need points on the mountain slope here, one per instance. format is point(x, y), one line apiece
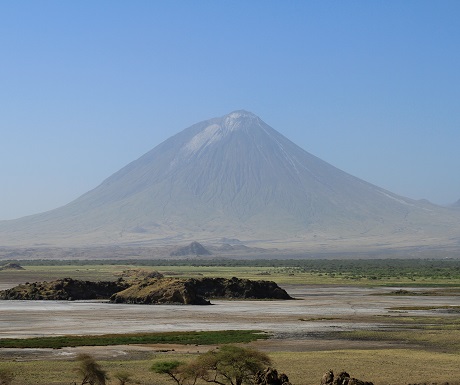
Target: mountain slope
point(235, 177)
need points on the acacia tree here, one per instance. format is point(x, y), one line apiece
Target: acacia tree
point(169, 368)
point(230, 365)
point(181, 373)
point(90, 371)
point(123, 377)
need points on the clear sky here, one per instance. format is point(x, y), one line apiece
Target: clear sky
point(372, 87)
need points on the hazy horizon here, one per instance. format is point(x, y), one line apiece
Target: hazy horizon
point(371, 88)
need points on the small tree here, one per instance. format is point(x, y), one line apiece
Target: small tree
point(181, 373)
point(90, 371)
point(123, 377)
point(230, 365)
point(170, 368)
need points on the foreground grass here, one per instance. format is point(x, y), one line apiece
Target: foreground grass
point(183, 338)
point(383, 367)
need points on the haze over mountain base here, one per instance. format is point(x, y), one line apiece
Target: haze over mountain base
point(236, 178)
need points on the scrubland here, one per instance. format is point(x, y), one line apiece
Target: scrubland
point(384, 366)
point(414, 343)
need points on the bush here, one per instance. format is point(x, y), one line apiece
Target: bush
point(90, 371)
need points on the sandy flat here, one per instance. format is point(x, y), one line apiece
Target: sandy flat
point(315, 309)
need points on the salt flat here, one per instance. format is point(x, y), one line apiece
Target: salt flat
point(350, 305)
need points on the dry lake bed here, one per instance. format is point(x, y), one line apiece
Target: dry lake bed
point(294, 324)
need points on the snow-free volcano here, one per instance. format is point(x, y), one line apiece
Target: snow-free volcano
point(235, 177)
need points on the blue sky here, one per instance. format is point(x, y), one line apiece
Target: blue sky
point(372, 87)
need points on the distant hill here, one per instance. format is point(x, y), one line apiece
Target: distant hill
point(235, 177)
point(12, 266)
point(193, 248)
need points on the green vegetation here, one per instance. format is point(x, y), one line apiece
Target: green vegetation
point(233, 365)
point(124, 377)
point(400, 272)
point(172, 369)
point(90, 371)
point(184, 338)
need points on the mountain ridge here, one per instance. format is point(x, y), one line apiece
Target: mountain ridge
point(236, 177)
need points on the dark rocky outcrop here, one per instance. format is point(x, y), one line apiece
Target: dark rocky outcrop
point(270, 376)
point(138, 274)
point(63, 289)
point(160, 291)
point(343, 378)
point(193, 248)
point(197, 291)
point(152, 288)
point(236, 288)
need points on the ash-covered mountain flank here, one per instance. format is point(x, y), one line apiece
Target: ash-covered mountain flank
point(236, 177)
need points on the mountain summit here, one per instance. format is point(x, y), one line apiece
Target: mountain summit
point(236, 177)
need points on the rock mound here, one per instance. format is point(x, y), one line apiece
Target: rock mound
point(63, 289)
point(160, 291)
point(270, 376)
point(136, 274)
point(12, 266)
point(236, 288)
point(343, 378)
point(150, 289)
point(193, 248)
point(197, 291)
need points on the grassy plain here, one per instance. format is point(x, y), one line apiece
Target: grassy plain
point(430, 333)
point(431, 343)
point(384, 366)
point(380, 272)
